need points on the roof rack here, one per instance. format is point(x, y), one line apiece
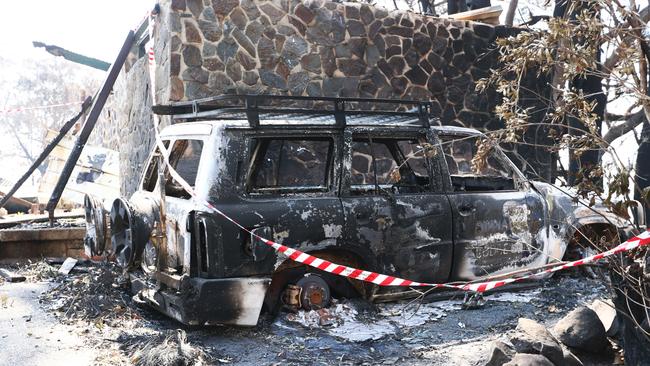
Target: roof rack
point(254, 105)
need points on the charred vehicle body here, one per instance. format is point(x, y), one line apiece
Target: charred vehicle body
point(337, 178)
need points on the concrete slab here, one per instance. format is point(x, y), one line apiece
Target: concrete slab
point(30, 336)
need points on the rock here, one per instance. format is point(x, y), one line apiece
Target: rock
point(500, 354)
point(294, 48)
point(226, 49)
point(298, 82)
point(250, 77)
point(209, 15)
point(246, 61)
point(607, 315)
point(194, 90)
point(351, 67)
point(194, 73)
point(327, 60)
point(398, 64)
point(342, 50)
point(254, 31)
point(250, 8)
point(273, 13)
point(297, 24)
point(224, 7)
point(355, 28)
point(582, 329)
point(311, 63)
point(270, 78)
point(421, 43)
point(527, 359)
point(191, 33)
point(266, 51)
point(412, 58)
point(570, 359)
point(304, 13)
point(351, 12)
point(436, 83)
point(417, 75)
point(175, 64)
point(244, 42)
point(532, 337)
point(192, 56)
point(357, 46)
point(233, 70)
point(213, 64)
point(366, 14)
point(211, 30)
point(367, 89)
point(332, 86)
point(209, 49)
point(195, 6)
point(220, 83)
point(372, 55)
point(239, 18)
point(314, 89)
point(374, 28)
point(178, 5)
point(399, 85)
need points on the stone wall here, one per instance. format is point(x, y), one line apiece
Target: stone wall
point(211, 47)
point(126, 124)
point(332, 49)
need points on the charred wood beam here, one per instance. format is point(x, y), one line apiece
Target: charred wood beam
point(95, 111)
point(46, 152)
point(73, 56)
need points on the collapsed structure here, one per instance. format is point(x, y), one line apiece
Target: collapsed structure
point(311, 48)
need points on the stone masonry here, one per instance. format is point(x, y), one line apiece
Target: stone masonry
point(313, 48)
point(332, 49)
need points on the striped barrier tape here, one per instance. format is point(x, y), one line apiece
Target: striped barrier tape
point(373, 277)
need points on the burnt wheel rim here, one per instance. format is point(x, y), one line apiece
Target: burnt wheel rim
point(94, 240)
point(121, 233)
point(315, 292)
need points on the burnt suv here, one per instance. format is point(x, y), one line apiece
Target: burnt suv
point(338, 178)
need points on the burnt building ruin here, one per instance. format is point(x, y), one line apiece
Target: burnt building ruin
point(314, 48)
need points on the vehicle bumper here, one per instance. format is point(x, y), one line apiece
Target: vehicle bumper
point(235, 301)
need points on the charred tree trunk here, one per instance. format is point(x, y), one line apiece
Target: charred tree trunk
point(579, 165)
point(642, 166)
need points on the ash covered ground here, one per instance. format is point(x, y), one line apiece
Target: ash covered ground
point(95, 321)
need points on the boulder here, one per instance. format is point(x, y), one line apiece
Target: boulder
point(582, 329)
point(529, 359)
point(500, 354)
point(570, 359)
point(607, 315)
point(533, 338)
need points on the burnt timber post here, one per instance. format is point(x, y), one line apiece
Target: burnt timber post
point(95, 111)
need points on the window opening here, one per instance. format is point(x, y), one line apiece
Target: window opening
point(285, 165)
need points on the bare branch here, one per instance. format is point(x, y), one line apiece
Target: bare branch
point(621, 129)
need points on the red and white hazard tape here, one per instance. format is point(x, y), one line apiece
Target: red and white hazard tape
point(23, 109)
point(373, 277)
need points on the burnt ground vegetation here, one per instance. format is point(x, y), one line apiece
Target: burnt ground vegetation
point(94, 302)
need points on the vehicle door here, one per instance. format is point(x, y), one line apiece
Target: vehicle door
point(498, 216)
point(291, 197)
point(392, 206)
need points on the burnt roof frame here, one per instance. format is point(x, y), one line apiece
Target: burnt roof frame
point(251, 105)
